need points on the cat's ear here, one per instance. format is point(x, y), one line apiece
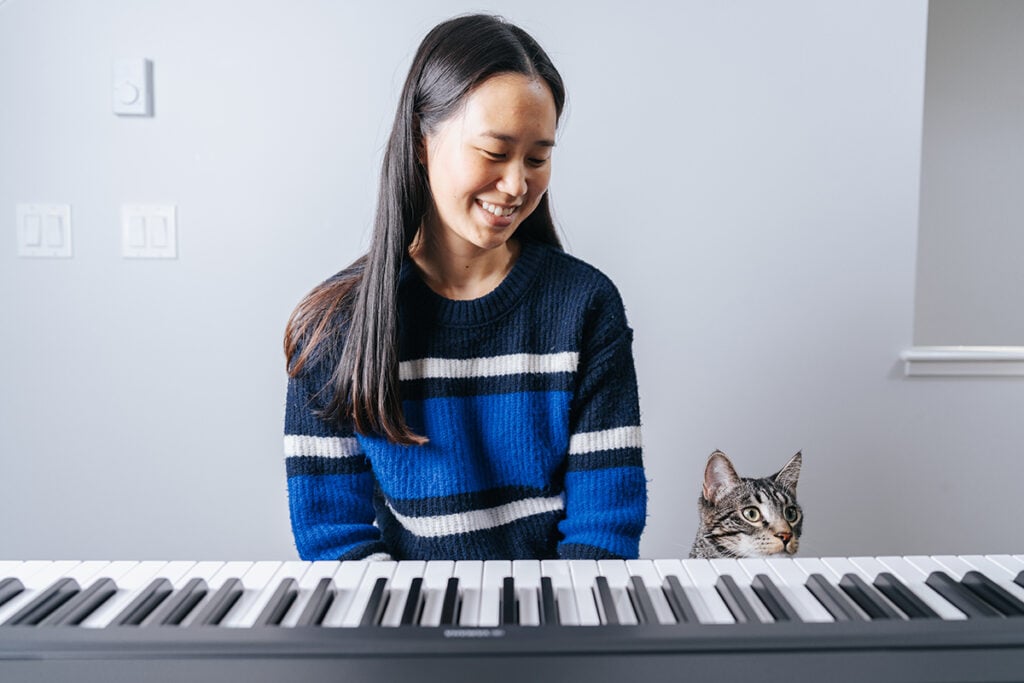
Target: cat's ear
point(787, 476)
point(719, 477)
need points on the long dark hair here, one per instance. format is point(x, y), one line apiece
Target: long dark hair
point(360, 304)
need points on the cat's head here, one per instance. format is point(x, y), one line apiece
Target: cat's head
point(744, 517)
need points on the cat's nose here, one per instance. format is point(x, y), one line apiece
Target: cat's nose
point(785, 536)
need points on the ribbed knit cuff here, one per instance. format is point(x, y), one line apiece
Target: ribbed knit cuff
point(374, 550)
point(582, 551)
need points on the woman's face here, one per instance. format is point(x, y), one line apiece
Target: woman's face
point(489, 164)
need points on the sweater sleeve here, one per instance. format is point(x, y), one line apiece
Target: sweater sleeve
point(605, 485)
point(330, 481)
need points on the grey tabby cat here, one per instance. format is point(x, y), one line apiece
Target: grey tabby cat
point(743, 517)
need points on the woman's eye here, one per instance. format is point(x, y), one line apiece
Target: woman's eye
point(537, 162)
point(493, 155)
point(791, 513)
point(751, 514)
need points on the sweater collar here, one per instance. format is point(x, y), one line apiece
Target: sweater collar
point(492, 305)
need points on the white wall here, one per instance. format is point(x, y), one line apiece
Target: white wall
point(747, 173)
point(970, 252)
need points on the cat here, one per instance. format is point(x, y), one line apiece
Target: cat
point(744, 517)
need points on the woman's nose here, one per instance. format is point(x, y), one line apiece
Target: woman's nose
point(513, 180)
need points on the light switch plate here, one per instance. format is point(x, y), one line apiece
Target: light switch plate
point(44, 230)
point(133, 87)
point(149, 231)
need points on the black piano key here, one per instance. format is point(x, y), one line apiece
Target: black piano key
point(55, 595)
point(904, 598)
point(219, 604)
point(735, 600)
point(509, 604)
point(681, 606)
point(861, 592)
point(318, 604)
point(641, 600)
point(832, 599)
point(548, 606)
point(962, 598)
point(450, 604)
point(773, 599)
point(279, 604)
point(607, 601)
point(144, 603)
point(173, 611)
point(1019, 579)
point(9, 588)
point(376, 604)
point(992, 593)
point(411, 612)
point(75, 610)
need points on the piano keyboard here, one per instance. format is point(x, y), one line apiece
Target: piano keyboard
point(73, 617)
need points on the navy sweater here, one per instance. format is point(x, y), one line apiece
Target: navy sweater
point(528, 397)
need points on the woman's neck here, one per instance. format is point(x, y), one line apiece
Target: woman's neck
point(462, 272)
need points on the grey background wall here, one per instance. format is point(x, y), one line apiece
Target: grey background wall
point(747, 173)
point(970, 279)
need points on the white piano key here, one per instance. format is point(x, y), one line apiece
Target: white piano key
point(494, 575)
point(618, 582)
point(956, 566)
point(85, 572)
point(842, 565)
point(8, 567)
point(254, 577)
point(398, 588)
point(667, 568)
point(646, 570)
point(793, 585)
point(1008, 562)
point(561, 585)
point(315, 571)
point(35, 576)
point(704, 578)
point(914, 578)
point(470, 575)
point(204, 570)
point(996, 572)
point(752, 567)
point(131, 584)
point(814, 565)
point(245, 615)
point(374, 570)
point(818, 565)
point(584, 573)
point(731, 567)
point(866, 568)
point(926, 565)
point(527, 577)
point(435, 583)
point(347, 579)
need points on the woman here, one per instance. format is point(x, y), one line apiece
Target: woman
point(465, 390)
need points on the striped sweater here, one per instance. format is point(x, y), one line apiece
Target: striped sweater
point(528, 397)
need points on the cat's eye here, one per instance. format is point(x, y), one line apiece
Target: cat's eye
point(752, 514)
point(792, 514)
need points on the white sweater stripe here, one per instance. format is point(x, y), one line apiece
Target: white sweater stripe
point(478, 520)
point(606, 440)
point(492, 366)
point(323, 446)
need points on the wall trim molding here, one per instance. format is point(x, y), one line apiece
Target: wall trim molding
point(964, 361)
